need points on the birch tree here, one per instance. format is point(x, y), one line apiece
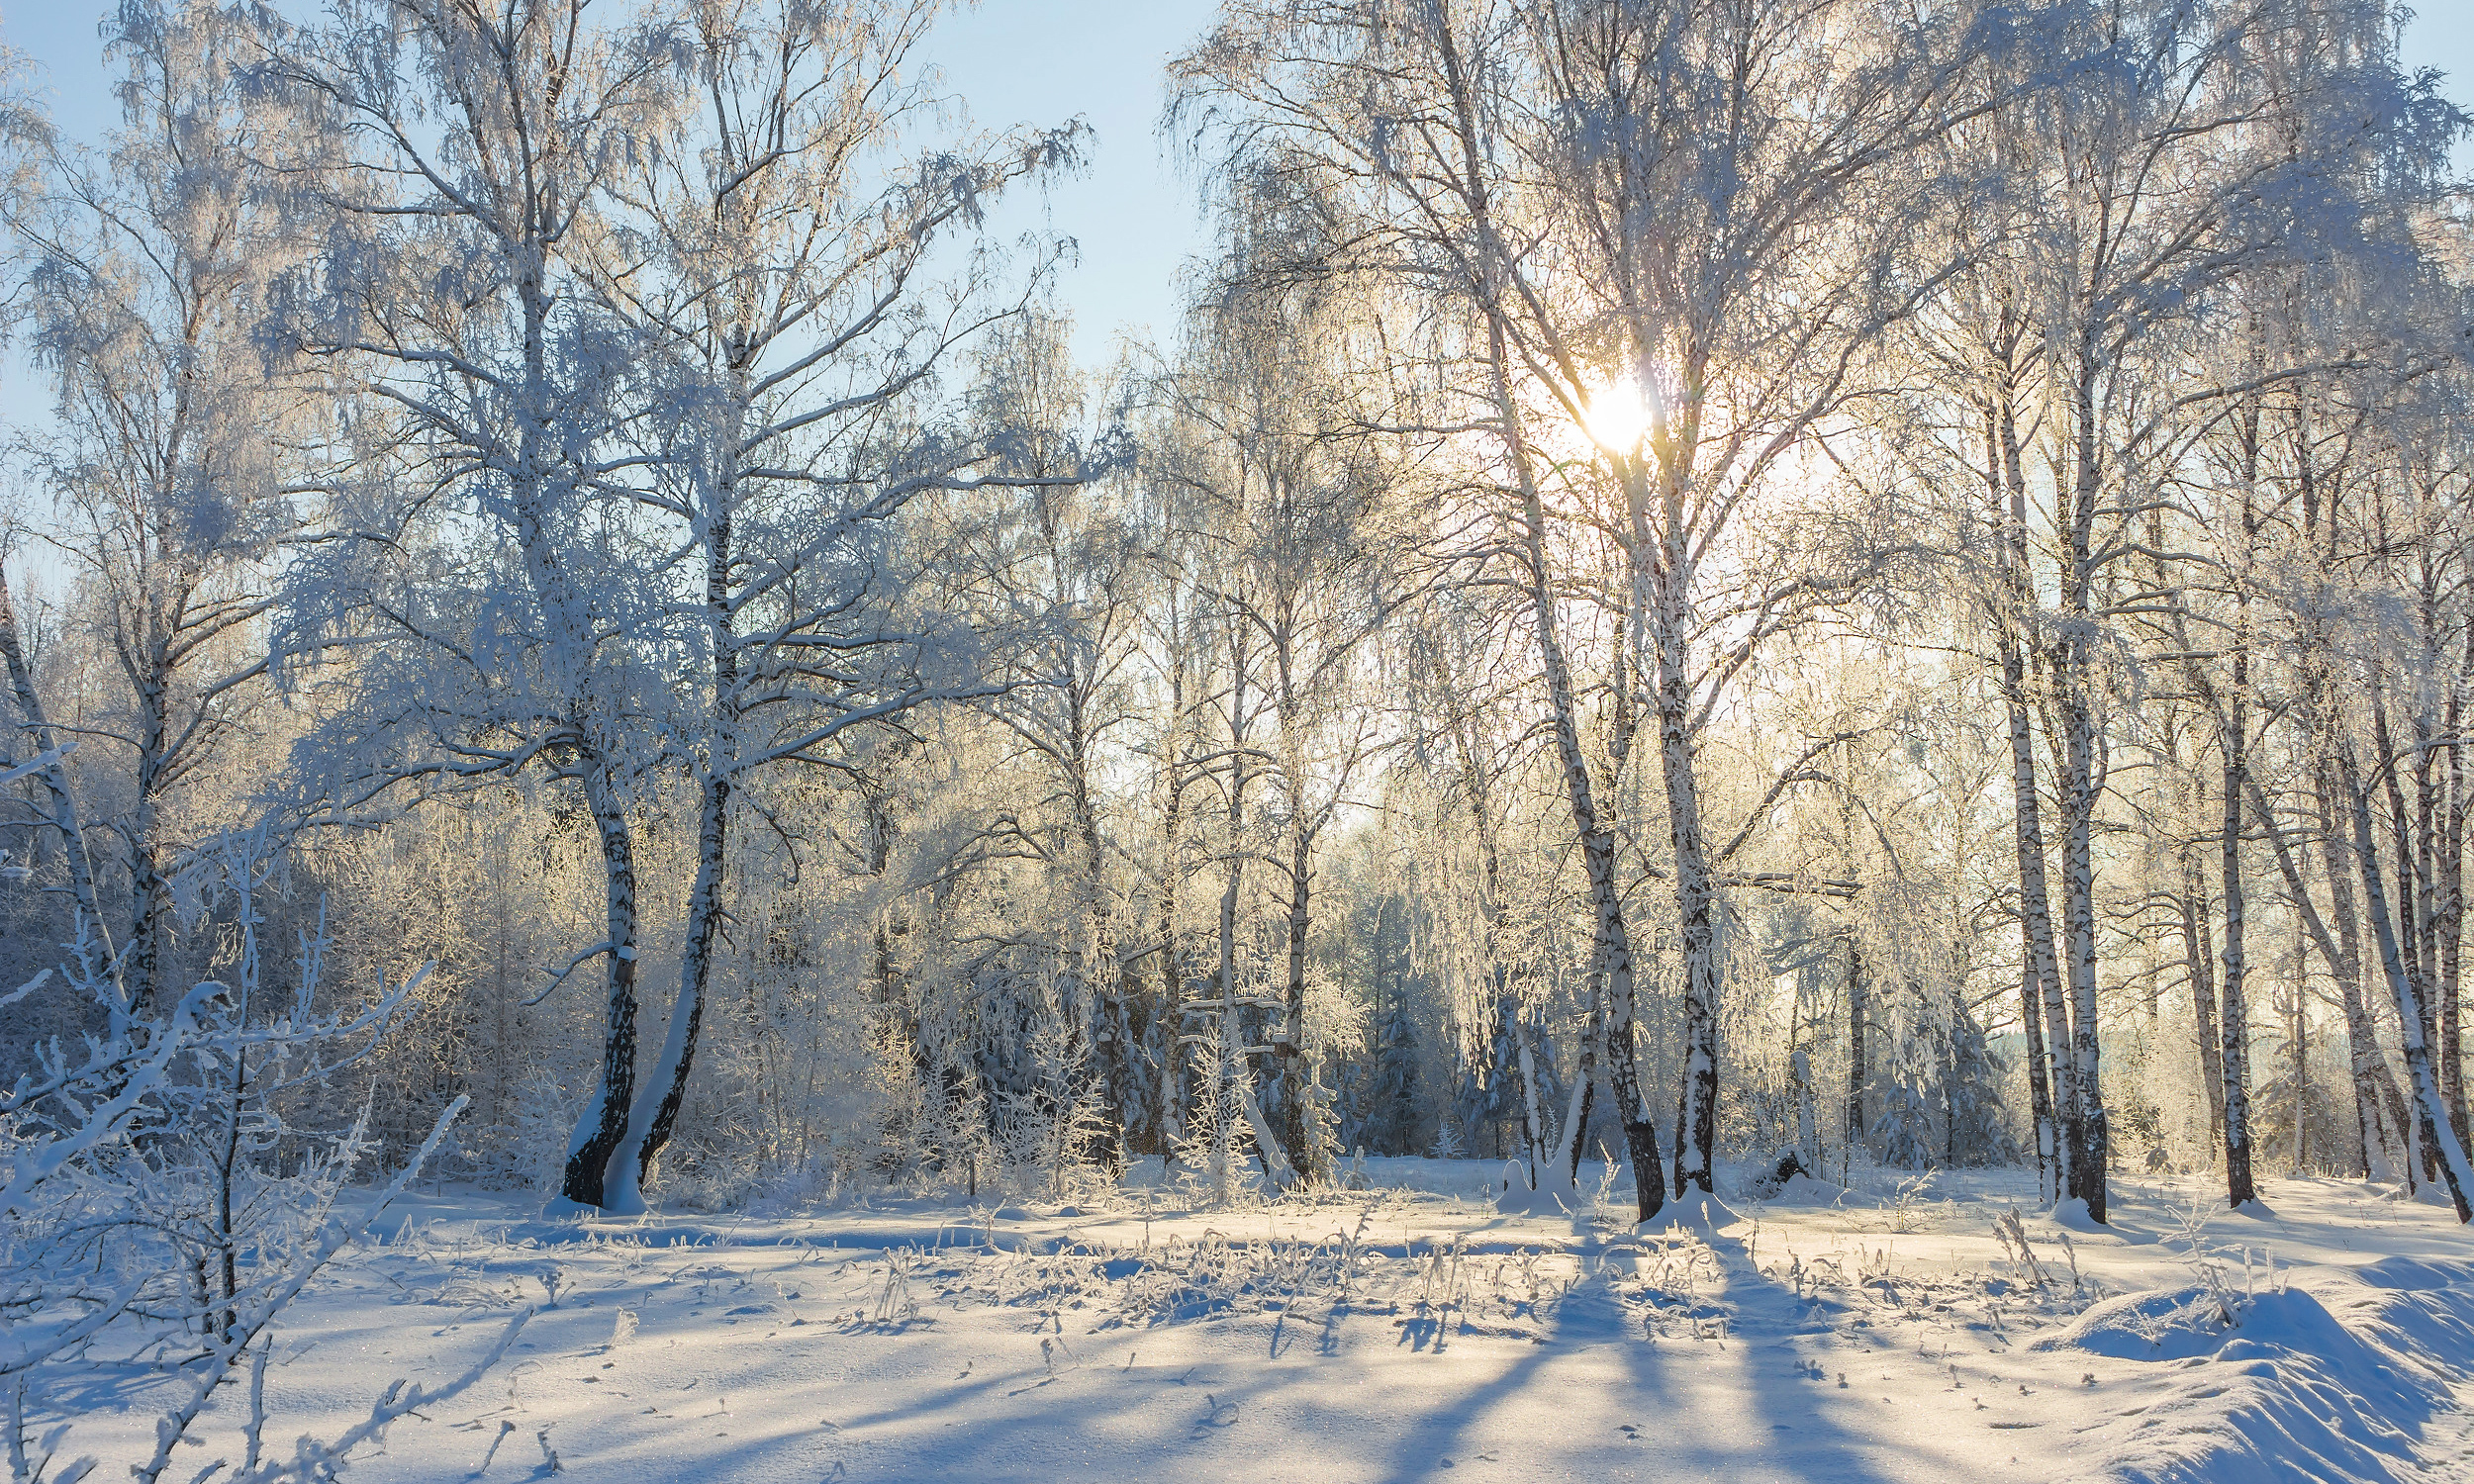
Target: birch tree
point(175, 467)
point(773, 248)
point(447, 295)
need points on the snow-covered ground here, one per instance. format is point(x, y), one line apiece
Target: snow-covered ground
point(1407, 1331)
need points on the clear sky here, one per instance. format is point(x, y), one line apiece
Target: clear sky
point(1037, 61)
point(1015, 61)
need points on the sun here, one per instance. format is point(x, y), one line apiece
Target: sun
point(1617, 417)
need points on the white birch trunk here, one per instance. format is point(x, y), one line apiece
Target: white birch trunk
point(2430, 1127)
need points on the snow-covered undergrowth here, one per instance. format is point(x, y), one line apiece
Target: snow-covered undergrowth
point(1400, 1332)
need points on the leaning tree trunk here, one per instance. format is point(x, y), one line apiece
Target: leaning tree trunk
point(2378, 1105)
point(52, 780)
point(2432, 1110)
point(650, 1127)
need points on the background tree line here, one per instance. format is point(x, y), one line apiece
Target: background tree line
point(1702, 582)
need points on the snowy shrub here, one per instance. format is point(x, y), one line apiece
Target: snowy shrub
point(167, 1190)
point(1211, 1158)
point(1045, 1134)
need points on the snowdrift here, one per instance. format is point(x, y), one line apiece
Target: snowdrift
point(2333, 1381)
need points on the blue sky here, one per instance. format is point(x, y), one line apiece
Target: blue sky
point(1016, 62)
point(1038, 61)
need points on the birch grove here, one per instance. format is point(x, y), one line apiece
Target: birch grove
point(1745, 589)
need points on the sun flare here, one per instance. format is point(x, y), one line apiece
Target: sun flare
point(1617, 417)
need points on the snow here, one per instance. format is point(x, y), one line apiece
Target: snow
point(1397, 1331)
point(1804, 1190)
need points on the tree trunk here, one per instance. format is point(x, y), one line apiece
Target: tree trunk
point(1173, 1094)
point(2378, 1106)
point(54, 781)
point(2040, 1084)
point(649, 1128)
point(2239, 1188)
point(1612, 948)
point(1295, 1078)
point(2432, 1110)
point(1696, 1126)
point(2081, 737)
point(2014, 604)
point(2036, 922)
point(2299, 1052)
point(2452, 913)
point(2089, 1136)
point(150, 903)
point(1856, 1070)
point(2199, 957)
point(591, 1177)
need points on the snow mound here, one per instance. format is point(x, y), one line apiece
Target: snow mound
point(1804, 1190)
point(1548, 1199)
point(2178, 1324)
point(2073, 1214)
point(2293, 1388)
point(1693, 1211)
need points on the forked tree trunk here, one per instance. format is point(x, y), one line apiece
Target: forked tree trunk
point(650, 1124)
point(590, 1178)
point(665, 1089)
point(1611, 950)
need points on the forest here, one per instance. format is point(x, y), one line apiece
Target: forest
point(1861, 604)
